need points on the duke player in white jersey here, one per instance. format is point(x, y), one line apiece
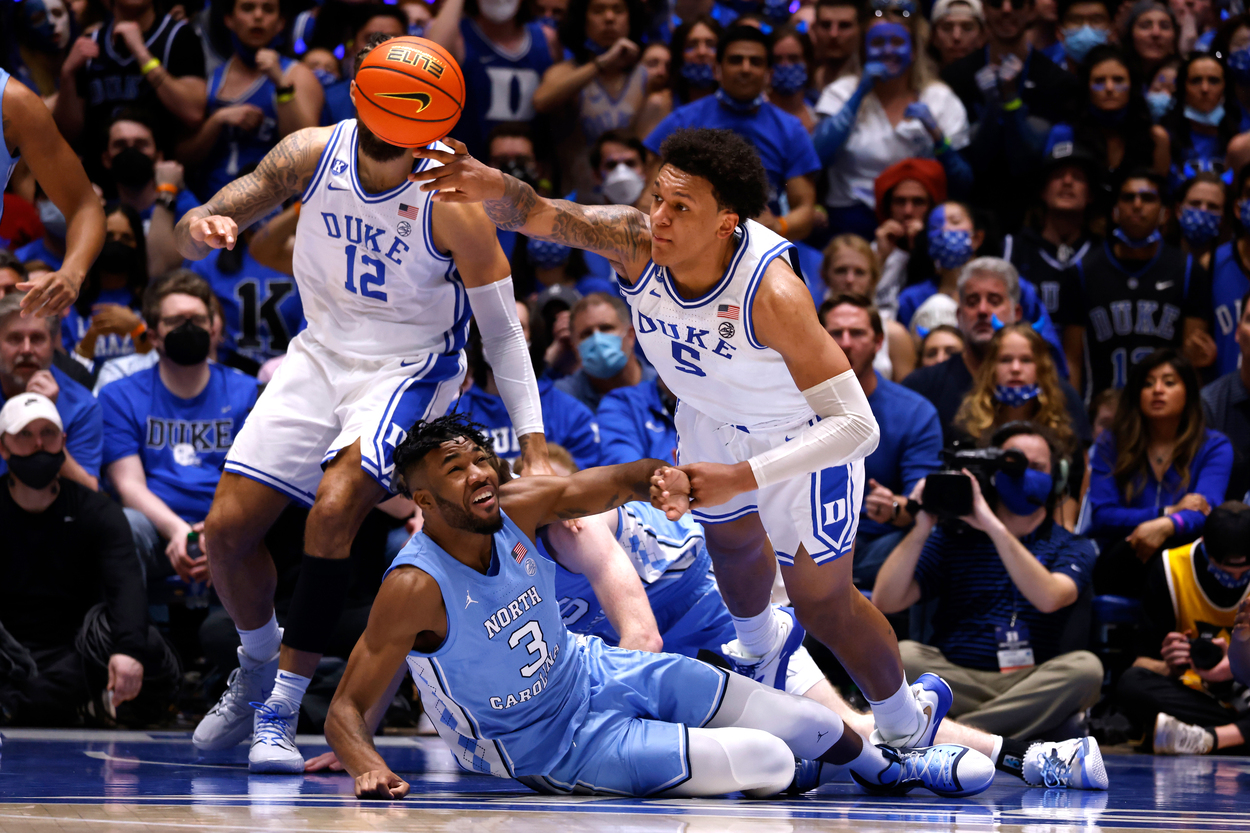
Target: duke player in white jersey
point(470, 607)
point(28, 133)
point(386, 279)
point(773, 425)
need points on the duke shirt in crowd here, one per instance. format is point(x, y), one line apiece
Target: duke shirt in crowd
point(182, 443)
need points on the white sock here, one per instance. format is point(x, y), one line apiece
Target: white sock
point(869, 765)
point(758, 633)
point(998, 748)
point(262, 643)
point(898, 715)
point(290, 688)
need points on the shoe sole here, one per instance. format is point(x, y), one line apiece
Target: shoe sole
point(276, 767)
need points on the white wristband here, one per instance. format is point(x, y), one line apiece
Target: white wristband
point(846, 431)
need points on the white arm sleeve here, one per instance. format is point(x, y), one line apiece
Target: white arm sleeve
point(503, 342)
point(846, 431)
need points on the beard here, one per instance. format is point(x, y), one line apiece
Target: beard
point(375, 148)
point(457, 518)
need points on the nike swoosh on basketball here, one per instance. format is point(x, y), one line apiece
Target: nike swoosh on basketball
point(1162, 285)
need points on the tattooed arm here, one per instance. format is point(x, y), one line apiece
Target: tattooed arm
point(283, 173)
point(536, 501)
point(620, 233)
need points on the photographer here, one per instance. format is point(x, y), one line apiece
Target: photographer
point(1004, 591)
point(1182, 682)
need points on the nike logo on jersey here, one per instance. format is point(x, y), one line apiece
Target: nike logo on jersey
point(656, 294)
point(651, 426)
point(330, 187)
point(225, 408)
point(1162, 285)
point(408, 364)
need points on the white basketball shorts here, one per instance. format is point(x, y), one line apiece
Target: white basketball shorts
point(320, 402)
point(819, 511)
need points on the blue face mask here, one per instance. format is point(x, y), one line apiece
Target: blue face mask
point(789, 78)
point(1149, 240)
point(1159, 103)
point(1211, 119)
point(417, 30)
point(546, 255)
point(1223, 577)
point(880, 48)
point(950, 248)
point(1013, 396)
point(1239, 66)
point(1078, 42)
point(730, 103)
point(602, 356)
point(1198, 225)
point(1025, 494)
point(324, 76)
point(699, 76)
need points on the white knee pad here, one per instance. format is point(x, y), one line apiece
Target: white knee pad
point(807, 727)
point(735, 759)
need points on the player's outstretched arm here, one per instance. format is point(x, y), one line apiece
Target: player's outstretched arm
point(408, 603)
point(532, 502)
point(284, 173)
point(29, 124)
point(620, 233)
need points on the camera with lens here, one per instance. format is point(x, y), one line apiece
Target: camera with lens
point(1204, 654)
point(948, 493)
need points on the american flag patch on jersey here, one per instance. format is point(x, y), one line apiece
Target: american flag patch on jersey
point(727, 311)
point(518, 552)
point(409, 211)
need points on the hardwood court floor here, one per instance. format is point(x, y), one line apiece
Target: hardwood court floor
point(130, 782)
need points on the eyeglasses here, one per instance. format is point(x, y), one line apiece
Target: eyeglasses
point(173, 322)
point(1147, 197)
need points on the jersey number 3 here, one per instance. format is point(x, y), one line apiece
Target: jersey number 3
point(367, 279)
point(536, 645)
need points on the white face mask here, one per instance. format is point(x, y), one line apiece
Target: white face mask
point(622, 185)
point(498, 11)
point(58, 13)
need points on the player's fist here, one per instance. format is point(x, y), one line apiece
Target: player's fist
point(83, 50)
point(269, 62)
point(670, 492)
point(381, 784)
point(215, 231)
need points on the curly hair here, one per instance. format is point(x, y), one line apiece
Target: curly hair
point(727, 161)
point(427, 435)
point(980, 413)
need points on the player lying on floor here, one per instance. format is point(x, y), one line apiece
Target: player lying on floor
point(470, 605)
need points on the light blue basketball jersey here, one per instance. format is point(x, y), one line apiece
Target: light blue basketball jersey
point(508, 688)
point(670, 557)
point(8, 161)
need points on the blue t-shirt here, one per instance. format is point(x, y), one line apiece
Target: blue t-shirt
point(1228, 286)
point(578, 386)
point(74, 328)
point(635, 424)
point(784, 145)
point(262, 306)
point(910, 447)
point(82, 421)
point(184, 202)
point(566, 422)
point(181, 442)
point(975, 594)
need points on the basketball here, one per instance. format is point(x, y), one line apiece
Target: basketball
point(409, 92)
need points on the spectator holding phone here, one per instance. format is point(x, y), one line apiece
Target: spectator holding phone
point(1182, 683)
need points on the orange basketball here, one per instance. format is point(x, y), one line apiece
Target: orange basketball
point(409, 91)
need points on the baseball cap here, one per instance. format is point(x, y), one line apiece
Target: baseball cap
point(1063, 149)
point(561, 295)
point(943, 8)
point(24, 409)
point(1226, 534)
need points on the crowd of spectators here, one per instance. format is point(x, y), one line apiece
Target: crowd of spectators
point(1026, 224)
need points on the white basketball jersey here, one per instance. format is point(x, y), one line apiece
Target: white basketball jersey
point(372, 282)
point(705, 349)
